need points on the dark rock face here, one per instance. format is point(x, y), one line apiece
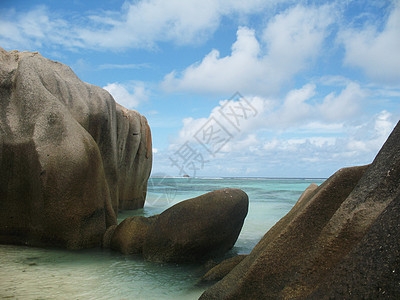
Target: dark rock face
point(372, 269)
point(70, 157)
point(190, 231)
point(222, 269)
point(341, 241)
point(276, 259)
point(198, 228)
point(129, 236)
point(106, 243)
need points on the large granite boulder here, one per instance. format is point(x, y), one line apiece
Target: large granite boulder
point(70, 157)
point(336, 242)
point(190, 231)
point(196, 229)
point(130, 234)
point(372, 269)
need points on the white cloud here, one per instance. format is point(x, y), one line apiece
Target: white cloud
point(33, 29)
point(294, 108)
point(375, 51)
point(316, 126)
point(221, 74)
point(245, 144)
point(299, 111)
point(234, 120)
point(295, 37)
point(138, 24)
point(123, 66)
point(310, 138)
point(334, 80)
point(290, 41)
point(190, 127)
point(369, 137)
point(383, 125)
point(128, 95)
point(344, 105)
point(270, 145)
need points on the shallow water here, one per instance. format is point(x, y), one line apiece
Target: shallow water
point(34, 273)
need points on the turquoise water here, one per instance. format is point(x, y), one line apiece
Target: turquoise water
point(33, 273)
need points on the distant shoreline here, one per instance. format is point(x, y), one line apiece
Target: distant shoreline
point(232, 177)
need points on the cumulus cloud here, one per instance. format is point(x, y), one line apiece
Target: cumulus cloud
point(138, 24)
point(300, 109)
point(228, 127)
point(128, 95)
point(295, 37)
point(220, 74)
point(290, 41)
point(33, 29)
point(370, 136)
point(294, 109)
point(299, 129)
point(344, 105)
point(376, 51)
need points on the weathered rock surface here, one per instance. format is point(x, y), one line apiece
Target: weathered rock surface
point(70, 157)
point(336, 242)
point(130, 234)
point(308, 192)
point(222, 269)
point(372, 269)
point(106, 243)
point(190, 231)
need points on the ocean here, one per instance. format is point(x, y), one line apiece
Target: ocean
point(34, 273)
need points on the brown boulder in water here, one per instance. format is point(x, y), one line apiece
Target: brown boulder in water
point(70, 157)
point(196, 229)
point(129, 236)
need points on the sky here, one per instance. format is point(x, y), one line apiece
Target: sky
point(235, 88)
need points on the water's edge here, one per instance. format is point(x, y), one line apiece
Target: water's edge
point(34, 273)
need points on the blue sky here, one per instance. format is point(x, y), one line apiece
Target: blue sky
point(318, 82)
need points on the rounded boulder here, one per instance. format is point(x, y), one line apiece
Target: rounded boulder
point(198, 228)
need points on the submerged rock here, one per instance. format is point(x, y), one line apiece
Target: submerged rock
point(340, 241)
point(70, 157)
